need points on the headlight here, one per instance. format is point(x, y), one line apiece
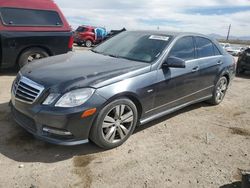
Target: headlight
point(75, 98)
point(51, 98)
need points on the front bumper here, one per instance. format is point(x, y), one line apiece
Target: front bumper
point(38, 118)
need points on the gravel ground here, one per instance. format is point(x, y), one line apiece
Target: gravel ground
point(199, 146)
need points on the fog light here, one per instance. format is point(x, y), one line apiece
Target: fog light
point(57, 131)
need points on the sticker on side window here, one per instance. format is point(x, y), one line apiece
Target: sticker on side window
point(158, 37)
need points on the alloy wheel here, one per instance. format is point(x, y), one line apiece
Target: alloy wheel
point(117, 123)
point(221, 90)
point(88, 43)
point(33, 57)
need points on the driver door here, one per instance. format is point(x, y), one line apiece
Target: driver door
point(177, 86)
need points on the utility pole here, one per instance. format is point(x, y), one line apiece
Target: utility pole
point(228, 33)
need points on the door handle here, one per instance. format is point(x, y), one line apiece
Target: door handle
point(219, 62)
point(195, 69)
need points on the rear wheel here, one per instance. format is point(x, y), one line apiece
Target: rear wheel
point(114, 124)
point(30, 55)
point(88, 43)
point(219, 91)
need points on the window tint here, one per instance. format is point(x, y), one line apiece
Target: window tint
point(29, 17)
point(248, 50)
point(135, 46)
point(183, 48)
point(216, 50)
point(204, 47)
point(81, 29)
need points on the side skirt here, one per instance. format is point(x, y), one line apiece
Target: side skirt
point(169, 111)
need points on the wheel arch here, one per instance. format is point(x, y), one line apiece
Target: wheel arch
point(227, 77)
point(224, 73)
point(89, 38)
point(46, 49)
point(131, 96)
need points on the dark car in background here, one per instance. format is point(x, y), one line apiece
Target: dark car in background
point(235, 50)
point(243, 63)
point(32, 30)
point(130, 79)
point(114, 32)
point(89, 35)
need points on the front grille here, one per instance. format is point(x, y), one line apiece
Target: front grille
point(26, 90)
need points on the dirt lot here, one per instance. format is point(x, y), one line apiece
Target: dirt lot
point(199, 146)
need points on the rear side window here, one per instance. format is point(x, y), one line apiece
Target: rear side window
point(81, 29)
point(204, 47)
point(184, 49)
point(29, 17)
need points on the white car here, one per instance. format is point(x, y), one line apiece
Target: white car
point(225, 45)
point(235, 51)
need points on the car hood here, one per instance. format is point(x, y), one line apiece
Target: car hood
point(82, 69)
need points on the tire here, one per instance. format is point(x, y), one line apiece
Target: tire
point(219, 92)
point(88, 43)
point(114, 123)
point(30, 55)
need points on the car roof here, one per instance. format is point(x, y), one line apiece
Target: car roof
point(175, 34)
point(171, 33)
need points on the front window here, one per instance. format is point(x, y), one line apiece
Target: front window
point(183, 49)
point(135, 46)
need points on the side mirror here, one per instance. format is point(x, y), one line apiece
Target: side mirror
point(174, 62)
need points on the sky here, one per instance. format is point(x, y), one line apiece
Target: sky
point(207, 16)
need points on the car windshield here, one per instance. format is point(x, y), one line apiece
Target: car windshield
point(136, 46)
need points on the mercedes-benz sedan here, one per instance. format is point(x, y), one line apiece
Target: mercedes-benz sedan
point(104, 93)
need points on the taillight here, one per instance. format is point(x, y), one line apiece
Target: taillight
point(71, 41)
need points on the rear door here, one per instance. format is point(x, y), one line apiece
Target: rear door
point(209, 60)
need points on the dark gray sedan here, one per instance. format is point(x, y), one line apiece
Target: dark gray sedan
point(130, 79)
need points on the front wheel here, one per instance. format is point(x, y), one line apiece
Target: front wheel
point(219, 92)
point(114, 124)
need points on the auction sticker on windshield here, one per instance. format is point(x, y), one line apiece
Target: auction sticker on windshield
point(158, 37)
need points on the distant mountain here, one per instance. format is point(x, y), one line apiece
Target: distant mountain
point(217, 36)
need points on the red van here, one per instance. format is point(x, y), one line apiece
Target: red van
point(32, 30)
